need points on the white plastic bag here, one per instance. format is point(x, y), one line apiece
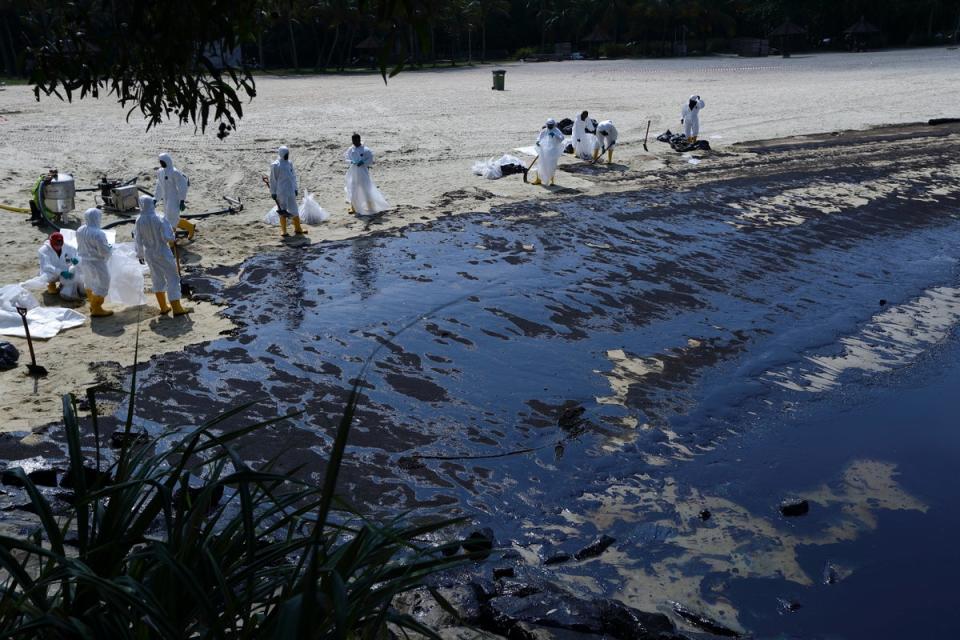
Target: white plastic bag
point(272, 217)
point(14, 295)
point(311, 212)
point(126, 276)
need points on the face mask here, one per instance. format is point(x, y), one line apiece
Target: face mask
point(549, 126)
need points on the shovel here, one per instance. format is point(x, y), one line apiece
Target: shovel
point(33, 368)
point(646, 136)
point(185, 289)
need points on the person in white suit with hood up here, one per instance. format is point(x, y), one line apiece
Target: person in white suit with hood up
point(584, 139)
point(94, 252)
point(690, 118)
point(171, 190)
point(284, 191)
point(549, 147)
point(153, 236)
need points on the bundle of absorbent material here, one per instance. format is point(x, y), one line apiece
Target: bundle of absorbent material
point(679, 142)
point(494, 169)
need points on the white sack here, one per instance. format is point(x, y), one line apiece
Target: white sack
point(311, 212)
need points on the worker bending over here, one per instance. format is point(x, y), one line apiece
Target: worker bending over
point(607, 133)
point(58, 264)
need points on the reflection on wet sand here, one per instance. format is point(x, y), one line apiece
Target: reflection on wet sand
point(673, 555)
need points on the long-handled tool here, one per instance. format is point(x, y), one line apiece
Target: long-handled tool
point(33, 368)
point(647, 135)
point(530, 167)
point(185, 289)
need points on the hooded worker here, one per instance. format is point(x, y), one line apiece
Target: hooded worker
point(549, 146)
point(363, 197)
point(690, 118)
point(94, 252)
point(284, 191)
point(607, 134)
point(584, 140)
point(58, 265)
point(153, 236)
point(171, 190)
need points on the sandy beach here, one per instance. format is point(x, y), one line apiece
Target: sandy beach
point(426, 128)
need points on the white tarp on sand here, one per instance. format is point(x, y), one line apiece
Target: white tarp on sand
point(44, 322)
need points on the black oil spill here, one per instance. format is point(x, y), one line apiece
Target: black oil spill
point(599, 365)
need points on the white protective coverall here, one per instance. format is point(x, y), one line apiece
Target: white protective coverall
point(690, 117)
point(550, 146)
point(94, 251)
point(53, 267)
point(171, 189)
point(607, 134)
point(283, 183)
point(584, 140)
point(153, 235)
point(362, 193)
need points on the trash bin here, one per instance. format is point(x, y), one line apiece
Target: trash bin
point(498, 78)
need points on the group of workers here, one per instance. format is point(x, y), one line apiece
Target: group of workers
point(362, 195)
point(69, 272)
point(86, 270)
point(590, 140)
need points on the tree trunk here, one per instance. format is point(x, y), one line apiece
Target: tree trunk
point(433, 45)
point(263, 63)
point(293, 43)
point(469, 45)
point(8, 65)
point(483, 41)
point(333, 47)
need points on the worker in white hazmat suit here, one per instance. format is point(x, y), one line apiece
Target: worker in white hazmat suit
point(584, 140)
point(153, 236)
point(284, 191)
point(690, 118)
point(607, 134)
point(550, 147)
point(94, 251)
point(363, 196)
point(58, 266)
point(171, 190)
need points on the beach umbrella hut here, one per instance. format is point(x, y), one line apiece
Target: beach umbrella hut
point(860, 33)
point(596, 38)
point(368, 47)
point(787, 31)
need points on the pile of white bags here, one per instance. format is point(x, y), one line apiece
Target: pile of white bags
point(310, 212)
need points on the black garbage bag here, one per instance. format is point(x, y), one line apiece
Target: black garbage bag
point(9, 356)
point(510, 169)
point(566, 126)
point(679, 143)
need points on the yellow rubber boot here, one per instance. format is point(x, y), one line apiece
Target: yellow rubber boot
point(178, 309)
point(609, 156)
point(692, 139)
point(350, 208)
point(283, 227)
point(297, 229)
point(596, 154)
point(187, 226)
point(162, 301)
point(537, 180)
point(52, 288)
point(96, 308)
point(89, 296)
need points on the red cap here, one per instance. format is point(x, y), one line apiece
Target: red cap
point(56, 238)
